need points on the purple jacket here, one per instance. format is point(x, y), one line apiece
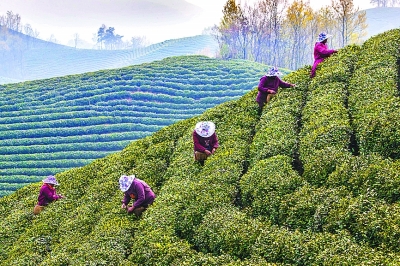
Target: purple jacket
point(269, 83)
point(139, 191)
point(47, 194)
point(321, 52)
point(201, 144)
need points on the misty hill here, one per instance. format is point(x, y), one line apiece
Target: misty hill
point(29, 58)
point(314, 180)
point(129, 18)
point(382, 19)
point(51, 125)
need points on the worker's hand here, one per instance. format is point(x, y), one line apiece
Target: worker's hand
point(207, 152)
point(271, 92)
point(293, 85)
point(123, 206)
point(130, 209)
point(335, 51)
point(213, 151)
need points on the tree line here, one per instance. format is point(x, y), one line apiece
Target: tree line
point(275, 32)
point(385, 3)
point(105, 38)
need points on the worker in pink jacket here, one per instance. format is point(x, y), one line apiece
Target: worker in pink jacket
point(205, 141)
point(321, 51)
point(47, 194)
point(268, 87)
point(138, 191)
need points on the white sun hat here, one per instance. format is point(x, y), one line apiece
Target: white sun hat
point(50, 180)
point(125, 181)
point(323, 36)
point(273, 72)
point(205, 129)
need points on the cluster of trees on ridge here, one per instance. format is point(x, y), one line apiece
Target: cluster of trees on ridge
point(309, 182)
point(79, 118)
point(385, 3)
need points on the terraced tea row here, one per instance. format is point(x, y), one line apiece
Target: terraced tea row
point(103, 111)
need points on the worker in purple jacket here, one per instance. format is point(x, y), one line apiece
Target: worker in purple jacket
point(47, 194)
point(205, 141)
point(137, 190)
point(321, 51)
point(269, 85)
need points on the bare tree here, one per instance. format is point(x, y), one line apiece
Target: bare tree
point(137, 42)
point(76, 39)
point(259, 32)
point(229, 30)
point(52, 39)
point(273, 10)
point(393, 3)
point(385, 3)
point(11, 21)
point(350, 20)
point(100, 35)
point(28, 30)
point(298, 17)
point(325, 22)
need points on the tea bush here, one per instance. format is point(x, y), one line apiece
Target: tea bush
point(373, 97)
point(226, 230)
point(264, 186)
point(318, 194)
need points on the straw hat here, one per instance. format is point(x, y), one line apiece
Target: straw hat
point(50, 180)
point(273, 72)
point(125, 182)
point(323, 36)
point(205, 129)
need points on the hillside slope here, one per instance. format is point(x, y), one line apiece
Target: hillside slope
point(27, 58)
point(314, 180)
point(382, 19)
point(51, 125)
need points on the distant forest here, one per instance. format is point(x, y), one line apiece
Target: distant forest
point(275, 32)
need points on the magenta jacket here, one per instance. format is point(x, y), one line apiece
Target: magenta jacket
point(321, 52)
point(201, 144)
point(269, 83)
point(47, 194)
point(140, 192)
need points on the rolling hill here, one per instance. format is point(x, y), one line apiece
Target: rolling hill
point(382, 19)
point(51, 125)
point(28, 58)
point(314, 180)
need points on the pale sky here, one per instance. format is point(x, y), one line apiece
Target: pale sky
point(64, 28)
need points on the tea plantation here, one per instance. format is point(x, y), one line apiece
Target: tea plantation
point(49, 126)
point(313, 180)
